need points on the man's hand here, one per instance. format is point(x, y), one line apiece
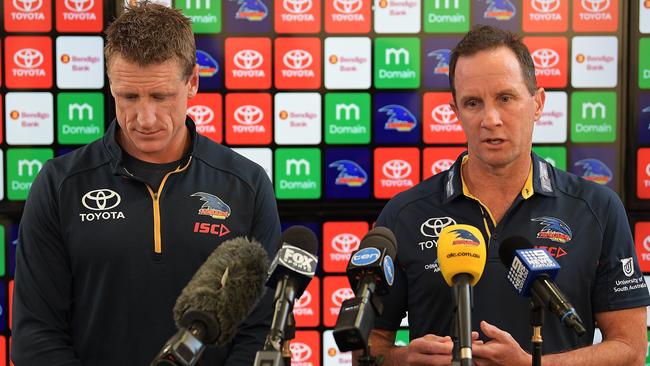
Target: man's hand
point(501, 349)
point(430, 350)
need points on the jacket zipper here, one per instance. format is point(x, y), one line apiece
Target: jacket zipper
point(155, 197)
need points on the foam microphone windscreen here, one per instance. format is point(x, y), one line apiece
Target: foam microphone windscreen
point(461, 249)
point(509, 246)
point(301, 237)
point(380, 237)
point(226, 287)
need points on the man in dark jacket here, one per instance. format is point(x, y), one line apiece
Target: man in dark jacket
point(112, 232)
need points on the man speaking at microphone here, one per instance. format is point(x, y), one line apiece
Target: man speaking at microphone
point(112, 232)
point(500, 187)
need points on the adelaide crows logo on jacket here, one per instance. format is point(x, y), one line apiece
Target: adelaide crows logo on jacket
point(554, 229)
point(213, 206)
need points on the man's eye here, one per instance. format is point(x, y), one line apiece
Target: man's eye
point(505, 98)
point(471, 103)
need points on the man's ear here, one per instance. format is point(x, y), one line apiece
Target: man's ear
point(194, 82)
point(540, 99)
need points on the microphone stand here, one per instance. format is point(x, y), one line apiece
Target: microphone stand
point(289, 334)
point(366, 359)
point(455, 332)
point(537, 321)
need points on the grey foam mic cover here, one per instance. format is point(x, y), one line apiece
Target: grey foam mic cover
point(228, 297)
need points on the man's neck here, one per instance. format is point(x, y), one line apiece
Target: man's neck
point(496, 187)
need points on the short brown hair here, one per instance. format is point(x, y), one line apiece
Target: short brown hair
point(485, 37)
point(149, 34)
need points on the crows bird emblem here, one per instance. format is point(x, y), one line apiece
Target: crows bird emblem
point(213, 206)
point(351, 174)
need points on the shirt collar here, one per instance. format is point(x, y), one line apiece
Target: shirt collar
point(540, 179)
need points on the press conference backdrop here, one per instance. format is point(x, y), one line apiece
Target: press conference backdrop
point(343, 102)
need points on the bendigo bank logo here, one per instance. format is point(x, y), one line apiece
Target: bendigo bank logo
point(100, 201)
point(399, 118)
point(553, 229)
point(500, 10)
point(350, 174)
point(251, 10)
point(595, 170)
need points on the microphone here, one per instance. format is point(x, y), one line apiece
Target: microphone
point(222, 292)
point(531, 271)
point(290, 272)
point(462, 254)
point(370, 271)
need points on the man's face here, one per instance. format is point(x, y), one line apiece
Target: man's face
point(495, 107)
point(150, 105)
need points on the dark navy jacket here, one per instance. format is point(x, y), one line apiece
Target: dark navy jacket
point(101, 257)
point(582, 224)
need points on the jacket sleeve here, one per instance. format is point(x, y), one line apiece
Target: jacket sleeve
point(42, 304)
point(266, 230)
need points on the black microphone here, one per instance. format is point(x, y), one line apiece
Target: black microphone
point(370, 271)
point(531, 271)
point(222, 292)
point(290, 272)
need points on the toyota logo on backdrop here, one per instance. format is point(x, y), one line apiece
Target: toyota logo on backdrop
point(444, 115)
point(433, 226)
point(101, 200)
point(545, 58)
point(300, 352)
point(296, 6)
point(303, 301)
point(297, 59)
point(545, 6)
point(28, 58)
point(248, 114)
point(348, 6)
point(341, 295)
point(595, 6)
point(396, 169)
point(28, 6)
point(79, 6)
point(248, 59)
point(202, 115)
point(441, 165)
point(345, 243)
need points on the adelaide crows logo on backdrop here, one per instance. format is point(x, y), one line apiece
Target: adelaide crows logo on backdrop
point(595, 170)
point(500, 10)
point(443, 56)
point(351, 174)
point(213, 206)
point(208, 66)
point(253, 10)
point(399, 118)
point(553, 229)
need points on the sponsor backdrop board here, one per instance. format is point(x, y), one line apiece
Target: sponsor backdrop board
point(344, 103)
